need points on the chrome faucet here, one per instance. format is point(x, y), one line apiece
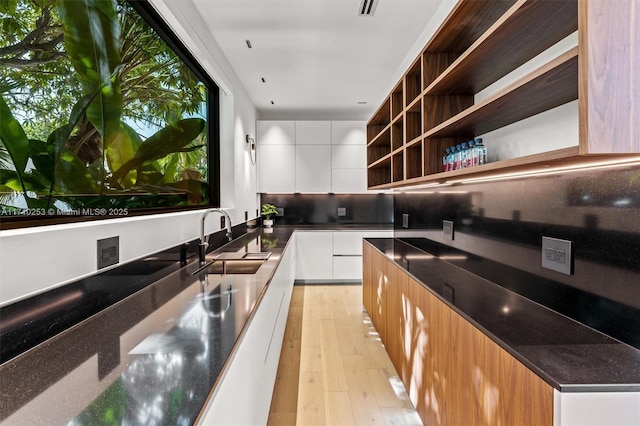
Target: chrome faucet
point(203, 244)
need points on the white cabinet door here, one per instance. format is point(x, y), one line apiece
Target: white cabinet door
point(314, 255)
point(313, 168)
point(276, 133)
point(349, 157)
point(347, 268)
point(276, 168)
point(350, 242)
point(348, 133)
point(313, 133)
point(349, 181)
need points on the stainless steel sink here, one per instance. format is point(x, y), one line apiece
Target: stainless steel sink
point(235, 263)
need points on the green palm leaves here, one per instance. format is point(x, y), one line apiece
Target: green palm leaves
point(98, 151)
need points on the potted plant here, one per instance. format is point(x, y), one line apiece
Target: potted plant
point(267, 212)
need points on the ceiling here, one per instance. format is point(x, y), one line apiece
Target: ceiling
point(318, 58)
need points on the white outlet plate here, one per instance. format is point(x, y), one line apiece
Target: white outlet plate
point(447, 230)
point(556, 255)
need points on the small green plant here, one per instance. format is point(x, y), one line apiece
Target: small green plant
point(268, 210)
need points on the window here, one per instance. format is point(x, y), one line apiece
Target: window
point(103, 113)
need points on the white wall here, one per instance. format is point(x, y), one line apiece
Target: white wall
point(36, 259)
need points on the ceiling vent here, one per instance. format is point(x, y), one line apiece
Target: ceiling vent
point(367, 7)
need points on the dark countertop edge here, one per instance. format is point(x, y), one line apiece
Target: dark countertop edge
point(562, 387)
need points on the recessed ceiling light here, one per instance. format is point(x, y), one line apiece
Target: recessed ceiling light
point(263, 80)
point(273, 103)
point(248, 43)
point(362, 102)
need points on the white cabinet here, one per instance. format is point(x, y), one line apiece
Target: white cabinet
point(596, 408)
point(326, 256)
point(347, 268)
point(347, 252)
point(348, 181)
point(349, 157)
point(243, 397)
point(348, 133)
point(313, 171)
point(322, 156)
point(315, 255)
point(276, 132)
point(313, 132)
point(276, 168)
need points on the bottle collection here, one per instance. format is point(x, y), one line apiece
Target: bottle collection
point(464, 155)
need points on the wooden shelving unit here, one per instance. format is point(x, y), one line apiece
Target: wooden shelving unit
point(479, 43)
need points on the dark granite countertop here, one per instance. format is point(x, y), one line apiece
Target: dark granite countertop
point(571, 357)
point(153, 357)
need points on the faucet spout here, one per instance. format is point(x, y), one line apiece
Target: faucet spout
point(203, 244)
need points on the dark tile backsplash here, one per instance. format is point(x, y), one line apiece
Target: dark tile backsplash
point(499, 227)
point(319, 209)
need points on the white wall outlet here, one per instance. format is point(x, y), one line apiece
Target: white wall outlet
point(342, 211)
point(447, 229)
point(557, 255)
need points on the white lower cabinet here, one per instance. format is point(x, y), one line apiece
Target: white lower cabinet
point(325, 256)
point(596, 408)
point(315, 256)
point(243, 397)
point(347, 268)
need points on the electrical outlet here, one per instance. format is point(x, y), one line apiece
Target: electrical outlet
point(246, 215)
point(557, 255)
point(447, 229)
point(405, 220)
point(108, 252)
point(280, 211)
point(342, 211)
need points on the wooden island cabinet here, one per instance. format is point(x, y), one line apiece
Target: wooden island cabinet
point(454, 374)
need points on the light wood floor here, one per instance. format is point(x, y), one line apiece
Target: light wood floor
point(333, 368)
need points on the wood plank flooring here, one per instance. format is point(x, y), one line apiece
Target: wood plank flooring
point(333, 368)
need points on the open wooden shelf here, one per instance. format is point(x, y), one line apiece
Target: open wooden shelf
point(397, 100)
point(432, 107)
point(397, 134)
point(413, 82)
point(552, 85)
point(533, 25)
point(380, 146)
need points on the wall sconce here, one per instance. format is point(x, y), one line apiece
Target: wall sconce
point(252, 149)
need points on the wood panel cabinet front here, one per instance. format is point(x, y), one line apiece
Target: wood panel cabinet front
point(454, 373)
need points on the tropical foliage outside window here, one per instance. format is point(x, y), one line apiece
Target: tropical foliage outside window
point(98, 115)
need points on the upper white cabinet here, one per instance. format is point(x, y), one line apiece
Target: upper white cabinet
point(348, 157)
point(312, 173)
point(276, 132)
point(313, 132)
point(348, 133)
point(312, 156)
point(276, 168)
